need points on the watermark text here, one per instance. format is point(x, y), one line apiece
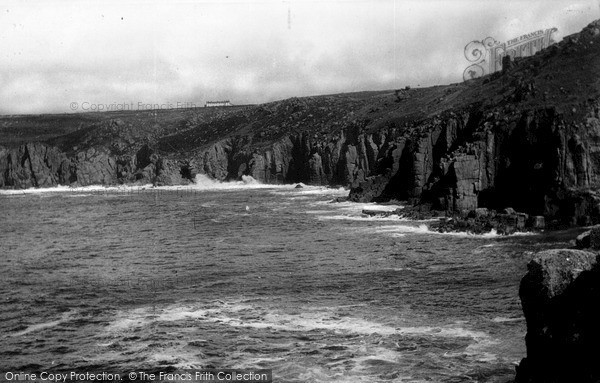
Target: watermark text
point(86, 106)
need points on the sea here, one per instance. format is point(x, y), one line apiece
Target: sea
point(242, 275)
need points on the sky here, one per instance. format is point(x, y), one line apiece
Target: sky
point(63, 56)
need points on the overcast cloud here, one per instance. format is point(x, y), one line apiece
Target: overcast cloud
point(53, 53)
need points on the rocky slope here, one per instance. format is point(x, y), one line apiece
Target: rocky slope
point(528, 138)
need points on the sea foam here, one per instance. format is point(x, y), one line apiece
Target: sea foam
point(201, 182)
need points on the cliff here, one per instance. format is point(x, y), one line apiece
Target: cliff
point(528, 138)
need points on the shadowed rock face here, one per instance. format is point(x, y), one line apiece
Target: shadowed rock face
point(528, 137)
point(561, 300)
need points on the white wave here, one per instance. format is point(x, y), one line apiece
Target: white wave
point(135, 318)
point(399, 229)
point(341, 217)
point(424, 229)
point(340, 373)
point(444, 332)
point(249, 180)
point(504, 320)
point(176, 357)
point(477, 350)
point(318, 190)
point(200, 183)
point(359, 207)
point(319, 212)
point(80, 189)
point(306, 319)
point(40, 326)
point(203, 182)
point(398, 268)
point(491, 234)
point(312, 190)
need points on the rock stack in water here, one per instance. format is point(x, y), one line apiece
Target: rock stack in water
point(560, 295)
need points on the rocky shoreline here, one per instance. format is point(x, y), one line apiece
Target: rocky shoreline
point(476, 221)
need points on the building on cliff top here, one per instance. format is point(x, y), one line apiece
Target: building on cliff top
point(217, 103)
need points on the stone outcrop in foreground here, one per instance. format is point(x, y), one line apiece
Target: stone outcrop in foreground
point(560, 296)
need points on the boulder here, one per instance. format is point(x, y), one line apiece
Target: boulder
point(481, 212)
point(595, 237)
point(521, 220)
point(375, 213)
point(507, 223)
point(537, 222)
point(583, 240)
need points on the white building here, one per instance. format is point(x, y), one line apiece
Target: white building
point(217, 103)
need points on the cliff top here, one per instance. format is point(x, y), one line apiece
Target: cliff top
point(565, 77)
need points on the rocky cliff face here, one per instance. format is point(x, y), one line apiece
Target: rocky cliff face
point(527, 138)
point(40, 165)
point(560, 296)
point(535, 147)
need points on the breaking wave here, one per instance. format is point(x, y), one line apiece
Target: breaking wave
point(201, 182)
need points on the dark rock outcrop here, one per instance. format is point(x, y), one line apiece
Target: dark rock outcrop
point(41, 165)
point(583, 240)
point(589, 239)
point(560, 296)
point(594, 241)
point(482, 220)
point(33, 165)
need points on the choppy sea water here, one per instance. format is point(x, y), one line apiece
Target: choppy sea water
point(253, 276)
